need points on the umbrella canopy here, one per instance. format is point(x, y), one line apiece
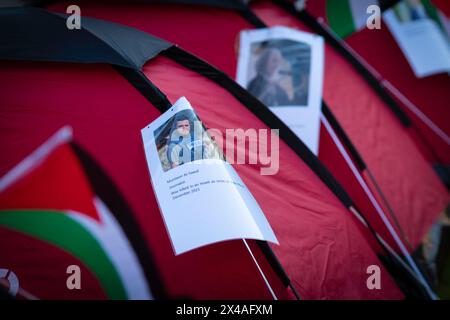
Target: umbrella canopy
point(319, 236)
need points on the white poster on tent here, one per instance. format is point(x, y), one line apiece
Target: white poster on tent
point(421, 33)
point(201, 197)
point(283, 68)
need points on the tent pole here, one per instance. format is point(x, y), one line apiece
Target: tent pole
point(157, 98)
point(355, 154)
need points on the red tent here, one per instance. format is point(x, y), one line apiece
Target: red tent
point(396, 164)
point(424, 100)
point(324, 252)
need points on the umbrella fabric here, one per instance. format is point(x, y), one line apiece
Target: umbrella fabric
point(55, 216)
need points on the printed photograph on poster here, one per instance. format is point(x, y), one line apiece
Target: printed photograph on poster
point(283, 68)
point(201, 197)
point(421, 32)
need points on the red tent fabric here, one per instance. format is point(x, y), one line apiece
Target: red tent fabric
point(397, 164)
point(407, 180)
point(37, 189)
point(323, 250)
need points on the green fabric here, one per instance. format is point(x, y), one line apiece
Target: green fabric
point(340, 18)
point(59, 229)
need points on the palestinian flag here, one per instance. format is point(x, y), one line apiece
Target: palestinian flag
point(57, 209)
point(429, 10)
point(348, 16)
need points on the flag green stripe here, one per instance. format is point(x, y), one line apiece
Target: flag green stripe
point(340, 18)
point(60, 230)
point(432, 13)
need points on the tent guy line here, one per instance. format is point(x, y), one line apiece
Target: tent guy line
point(386, 221)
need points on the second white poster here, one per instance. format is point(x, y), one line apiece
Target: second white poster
point(283, 68)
